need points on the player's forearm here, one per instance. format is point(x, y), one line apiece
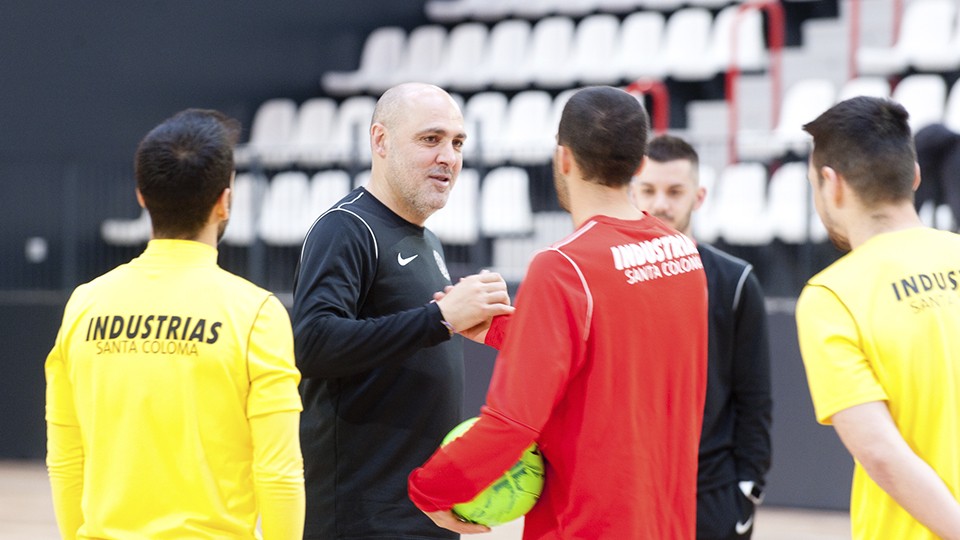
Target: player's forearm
point(278, 474)
point(329, 346)
point(463, 468)
point(65, 468)
point(916, 487)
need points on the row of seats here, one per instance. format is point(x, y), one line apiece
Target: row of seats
point(281, 211)
point(928, 41)
point(924, 95)
point(556, 52)
point(320, 133)
point(453, 11)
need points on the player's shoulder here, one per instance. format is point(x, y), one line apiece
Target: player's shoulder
point(350, 220)
point(722, 264)
point(721, 258)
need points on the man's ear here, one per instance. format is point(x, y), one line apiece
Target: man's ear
point(701, 196)
point(222, 207)
point(378, 139)
point(835, 185)
point(140, 199)
point(564, 159)
point(916, 176)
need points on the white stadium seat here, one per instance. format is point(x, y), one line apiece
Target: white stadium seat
point(271, 133)
point(927, 26)
point(286, 214)
point(457, 223)
point(742, 205)
point(381, 55)
point(640, 52)
point(505, 203)
point(248, 192)
point(924, 96)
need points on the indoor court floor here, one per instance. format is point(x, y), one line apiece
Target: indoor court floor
point(26, 513)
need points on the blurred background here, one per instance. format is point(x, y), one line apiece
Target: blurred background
point(83, 82)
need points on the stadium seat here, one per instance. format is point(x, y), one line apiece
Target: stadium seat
point(533, 10)
point(326, 188)
point(926, 26)
point(484, 116)
point(660, 5)
point(127, 232)
point(528, 134)
point(507, 55)
point(924, 96)
point(421, 59)
point(751, 50)
point(271, 133)
point(864, 86)
point(686, 44)
point(942, 58)
point(576, 8)
point(448, 11)
point(362, 179)
point(350, 138)
point(596, 37)
point(789, 203)
point(460, 68)
point(492, 10)
point(704, 224)
point(951, 112)
point(617, 6)
point(741, 207)
point(380, 57)
point(286, 214)
point(802, 102)
point(457, 223)
point(505, 203)
point(311, 139)
point(548, 58)
point(248, 191)
point(640, 52)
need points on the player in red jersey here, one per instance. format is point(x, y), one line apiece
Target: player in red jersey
point(604, 362)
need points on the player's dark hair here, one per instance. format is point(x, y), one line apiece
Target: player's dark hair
point(664, 148)
point(606, 130)
point(868, 141)
point(182, 166)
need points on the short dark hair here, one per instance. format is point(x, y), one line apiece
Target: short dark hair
point(606, 130)
point(182, 166)
point(664, 148)
point(868, 141)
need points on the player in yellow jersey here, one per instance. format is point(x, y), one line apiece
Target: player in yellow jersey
point(172, 403)
point(879, 329)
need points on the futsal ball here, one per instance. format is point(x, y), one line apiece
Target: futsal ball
point(510, 496)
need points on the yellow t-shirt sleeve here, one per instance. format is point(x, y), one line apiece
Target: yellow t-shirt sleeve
point(64, 444)
point(278, 474)
point(270, 362)
point(838, 372)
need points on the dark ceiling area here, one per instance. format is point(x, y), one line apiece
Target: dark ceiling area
point(82, 81)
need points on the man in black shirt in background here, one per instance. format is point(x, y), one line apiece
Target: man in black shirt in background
point(735, 440)
point(382, 374)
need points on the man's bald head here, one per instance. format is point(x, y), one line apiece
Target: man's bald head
point(396, 101)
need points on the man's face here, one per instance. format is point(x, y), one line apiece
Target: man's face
point(424, 156)
point(669, 191)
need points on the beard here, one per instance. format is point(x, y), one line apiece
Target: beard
point(560, 185)
point(838, 240)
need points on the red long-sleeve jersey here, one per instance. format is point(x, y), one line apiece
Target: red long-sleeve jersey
point(604, 366)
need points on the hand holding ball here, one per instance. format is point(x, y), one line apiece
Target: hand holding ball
point(510, 496)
